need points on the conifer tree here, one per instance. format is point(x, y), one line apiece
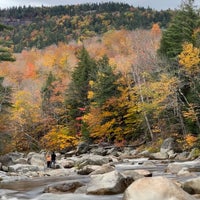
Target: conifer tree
point(77, 101)
point(179, 31)
point(105, 85)
point(5, 50)
point(47, 91)
point(5, 91)
point(79, 86)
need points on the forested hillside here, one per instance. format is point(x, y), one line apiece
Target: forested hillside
point(121, 86)
point(41, 27)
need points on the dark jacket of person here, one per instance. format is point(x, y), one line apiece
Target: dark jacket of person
point(53, 157)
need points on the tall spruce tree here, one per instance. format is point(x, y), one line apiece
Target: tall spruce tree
point(5, 47)
point(179, 31)
point(105, 85)
point(77, 94)
point(5, 92)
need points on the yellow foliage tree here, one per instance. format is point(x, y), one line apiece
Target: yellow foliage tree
point(58, 138)
point(25, 115)
point(190, 58)
point(156, 96)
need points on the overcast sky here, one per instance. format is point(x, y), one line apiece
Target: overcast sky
point(155, 4)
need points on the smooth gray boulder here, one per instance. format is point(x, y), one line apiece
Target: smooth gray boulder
point(155, 188)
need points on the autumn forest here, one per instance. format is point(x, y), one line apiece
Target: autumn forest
point(100, 81)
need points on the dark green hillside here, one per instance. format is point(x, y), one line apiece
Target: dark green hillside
point(42, 26)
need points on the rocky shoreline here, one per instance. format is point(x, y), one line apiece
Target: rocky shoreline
point(110, 171)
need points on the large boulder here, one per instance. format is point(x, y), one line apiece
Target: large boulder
point(107, 184)
point(91, 159)
point(36, 159)
point(192, 186)
point(10, 158)
point(82, 148)
point(155, 188)
point(6, 160)
point(167, 145)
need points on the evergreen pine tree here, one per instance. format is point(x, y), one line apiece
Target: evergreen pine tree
point(46, 92)
point(77, 94)
point(105, 85)
point(5, 50)
point(179, 31)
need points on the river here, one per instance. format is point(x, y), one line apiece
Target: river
point(32, 189)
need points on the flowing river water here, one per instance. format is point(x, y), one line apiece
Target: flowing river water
point(32, 189)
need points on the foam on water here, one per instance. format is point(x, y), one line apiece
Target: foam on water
point(7, 198)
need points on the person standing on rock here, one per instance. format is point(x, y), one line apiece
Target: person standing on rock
point(53, 159)
point(48, 160)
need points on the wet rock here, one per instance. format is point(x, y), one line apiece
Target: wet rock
point(192, 186)
point(131, 175)
point(175, 167)
point(63, 187)
point(67, 163)
point(103, 169)
point(87, 169)
point(91, 159)
point(159, 156)
point(22, 168)
point(184, 172)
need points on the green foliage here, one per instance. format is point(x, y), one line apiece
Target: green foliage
point(155, 147)
point(53, 107)
point(83, 97)
point(47, 91)
point(5, 46)
point(77, 94)
point(5, 96)
point(105, 83)
point(179, 31)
